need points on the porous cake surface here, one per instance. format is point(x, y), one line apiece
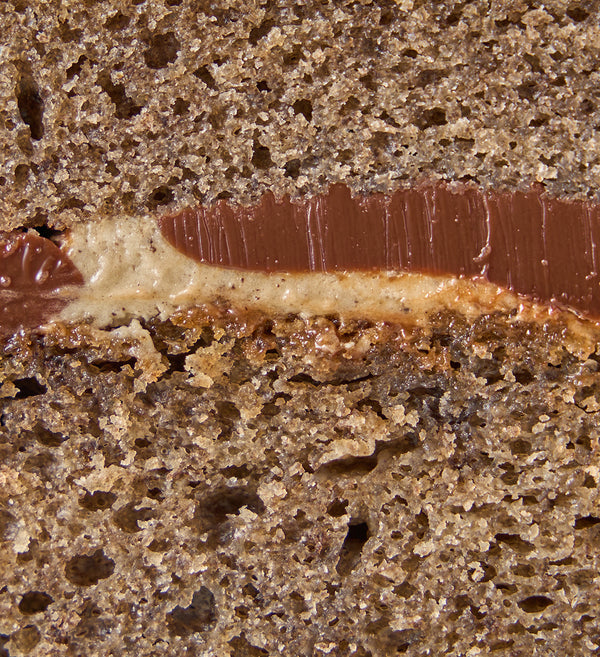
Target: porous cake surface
point(210, 475)
point(124, 108)
point(222, 485)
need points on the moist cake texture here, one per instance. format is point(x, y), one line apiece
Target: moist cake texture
point(244, 486)
point(195, 461)
point(111, 109)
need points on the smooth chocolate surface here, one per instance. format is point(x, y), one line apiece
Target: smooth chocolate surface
point(33, 270)
point(527, 242)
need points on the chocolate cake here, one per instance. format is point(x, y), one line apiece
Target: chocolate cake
point(300, 328)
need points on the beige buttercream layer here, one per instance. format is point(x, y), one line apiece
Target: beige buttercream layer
point(131, 271)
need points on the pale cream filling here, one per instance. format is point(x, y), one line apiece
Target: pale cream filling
point(130, 270)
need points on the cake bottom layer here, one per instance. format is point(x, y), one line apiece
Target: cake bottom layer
point(217, 484)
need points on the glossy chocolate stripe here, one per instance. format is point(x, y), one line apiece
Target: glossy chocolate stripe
point(527, 242)
point(33, 273)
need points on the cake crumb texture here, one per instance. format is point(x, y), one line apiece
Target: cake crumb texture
point(222, 485)
point(127, 108)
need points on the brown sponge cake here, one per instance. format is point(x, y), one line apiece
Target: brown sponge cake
point(112, 108)
point(212, 445)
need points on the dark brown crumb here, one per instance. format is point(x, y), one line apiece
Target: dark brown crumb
point(175, 103)
point(230, 487)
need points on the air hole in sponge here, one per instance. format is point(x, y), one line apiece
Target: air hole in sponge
point(155, 494)
point(99, 500)
point(520, 446)
point(372, 404)
point(228, 410)
point(237, 471)
point(112, 366)
point(87, 570)
point(453, 18)
point(128, 516)
point(200, 616)
point(293, 57)
point(337, 508)
point(387, 17)
point(21, 174)
point(47, 232)
point(31, 105)
point(212, 510)
point(292, 168)
point(125, 108)
point(205, 75)
point(69, 34)
point(29, 387)
point(527, 90)
point(349, 466)
point(524, 377)
point(535, 603)
point(430, 118)
point(176, 363)
point(160, 196)
point(357, 536)
point(261, 157)
point(524, 570)
point(45, 436)
point(430, 76)
point(162, 50)
point(577, 13)
point(304, 107)
point(260, 31)
point(404, 590)
point(586, 522)
point(75, 69)
point(72, 202)
point(34, 602)
point(251, 590)
point(515, 542)
point(181, 106)
point(117, 22)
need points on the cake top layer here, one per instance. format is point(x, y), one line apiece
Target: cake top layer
point(177, 103)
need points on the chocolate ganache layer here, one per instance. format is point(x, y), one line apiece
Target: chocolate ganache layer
point(525, 241)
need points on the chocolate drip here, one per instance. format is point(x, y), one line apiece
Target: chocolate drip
point(527, 242)
point(33, 271)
